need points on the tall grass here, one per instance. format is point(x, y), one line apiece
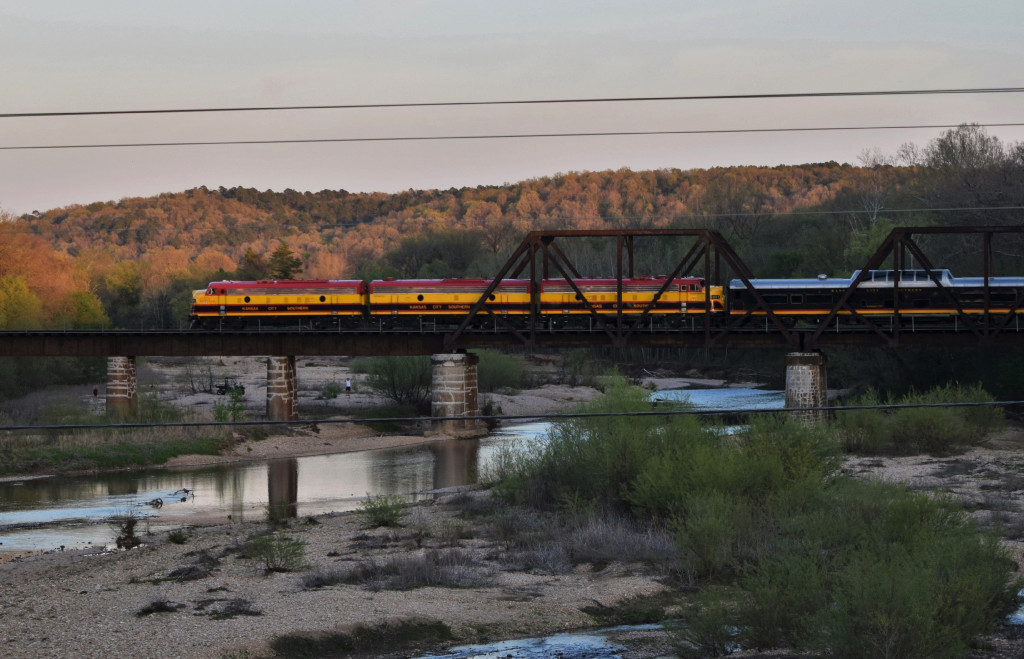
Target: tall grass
point(104, 448)
point(928, 429)
point(800, 555)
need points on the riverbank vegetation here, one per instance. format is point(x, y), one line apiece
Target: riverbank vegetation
point(911, 430)
point(99, 449)
point(781, 549)
point(406, 380)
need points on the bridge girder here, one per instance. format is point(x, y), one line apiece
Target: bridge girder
point(706, 255)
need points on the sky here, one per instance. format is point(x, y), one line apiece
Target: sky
point(69, 55)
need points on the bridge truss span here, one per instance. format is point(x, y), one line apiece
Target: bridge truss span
point(671, 287)
point(899, 297)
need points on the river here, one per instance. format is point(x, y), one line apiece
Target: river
point(71, 511)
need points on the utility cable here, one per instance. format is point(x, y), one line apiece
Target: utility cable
point(441, 138)
point(546, 101)
point(514, 417)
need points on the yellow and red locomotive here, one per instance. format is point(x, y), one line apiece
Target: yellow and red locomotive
point(311, 303)
point(427, 304)
point(931, 297)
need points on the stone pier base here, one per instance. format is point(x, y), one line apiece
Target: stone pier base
point(453, 393)
point(806, 384)
point(122, 394)
point(282, 389)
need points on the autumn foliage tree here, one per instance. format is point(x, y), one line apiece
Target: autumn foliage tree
point(176, 242)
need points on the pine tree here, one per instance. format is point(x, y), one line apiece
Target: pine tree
point(283, 262)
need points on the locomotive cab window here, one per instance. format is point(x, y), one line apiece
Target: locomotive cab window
point(796, 298)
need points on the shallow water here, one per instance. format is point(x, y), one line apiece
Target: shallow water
point(592, 645)
point(725, 399)
point(48, 513)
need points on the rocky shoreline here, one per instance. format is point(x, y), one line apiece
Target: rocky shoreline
point(93, 603)
point(204, 598)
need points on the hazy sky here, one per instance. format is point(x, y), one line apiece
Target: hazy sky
point(70, 55)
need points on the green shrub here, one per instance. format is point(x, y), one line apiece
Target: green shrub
point(491, 409)
point(580, 368)
point(234, 409)
point(177, 536)
point(812, 560)
point(597, 459)
point(275, 553)
point(879, 571)
point(929, 429)
point(497, 370)
point(405, 380)
point(709, 531)
point(708, 628)
point(382, 510)
point(865, 431)
point(386, 412)
point(330, 391)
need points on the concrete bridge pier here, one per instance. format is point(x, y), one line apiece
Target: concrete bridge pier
point(282, 389)
point(122, 392)
point(453, 392)
point(806, 384)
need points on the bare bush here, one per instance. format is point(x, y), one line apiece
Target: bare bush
point(124, 524)
point(199, 378)
point(550, 557)
point(159, 606)
point(615, 538)
point(448, 568)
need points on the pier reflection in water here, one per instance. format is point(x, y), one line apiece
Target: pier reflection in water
point(49, 512)
point(283, 488)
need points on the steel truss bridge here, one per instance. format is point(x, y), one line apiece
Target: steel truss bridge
point(544, 254)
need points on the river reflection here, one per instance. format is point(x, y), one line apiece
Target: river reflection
point(47, 513)
point(71, 511)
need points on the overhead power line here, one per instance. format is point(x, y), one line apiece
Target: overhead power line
point(671, 410)
point(546, 101)
point(428, 138)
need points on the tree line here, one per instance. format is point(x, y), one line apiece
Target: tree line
point(134, 262)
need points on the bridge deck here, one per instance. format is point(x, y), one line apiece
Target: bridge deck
point(175, 343)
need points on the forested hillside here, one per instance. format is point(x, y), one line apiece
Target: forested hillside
point(133, 262)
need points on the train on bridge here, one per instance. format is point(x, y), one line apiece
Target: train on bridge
point(934, 296)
